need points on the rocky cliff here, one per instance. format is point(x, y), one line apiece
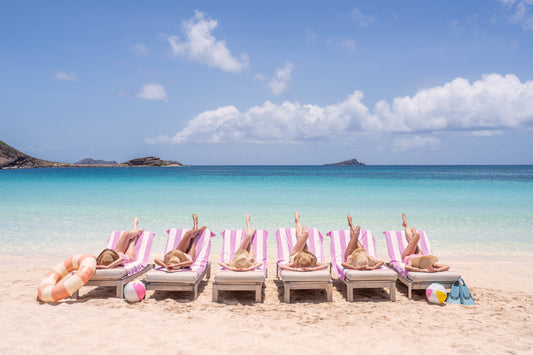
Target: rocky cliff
point(11, 158)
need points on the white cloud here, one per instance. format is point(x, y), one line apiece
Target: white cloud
point(521, 12)
point(348, 44)
point(201, 46)
point(140, 49)
point(493, 103)
point(310, 35)
point(487, 133)
point(280, 81)
point(362, 19)
point(259, 77)
point(152, 91)
point(61, 75)
point(414, 143)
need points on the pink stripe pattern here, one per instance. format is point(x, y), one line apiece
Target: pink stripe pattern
point(203, 248)
point(143, 246)
point(396, 243)
point(286, 239)
point(231, 240)
point(339, 241)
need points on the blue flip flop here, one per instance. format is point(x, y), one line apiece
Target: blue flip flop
point(454, 295)
point(466, 297)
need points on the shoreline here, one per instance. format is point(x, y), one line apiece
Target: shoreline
point(500, 321)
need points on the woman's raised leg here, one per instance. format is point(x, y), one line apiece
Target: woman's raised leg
point(354, 239)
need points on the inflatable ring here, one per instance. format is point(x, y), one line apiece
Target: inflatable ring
point(52, 290)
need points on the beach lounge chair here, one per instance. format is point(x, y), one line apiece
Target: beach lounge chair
point(382, 277)
point(119, 276)
point(297, 280)
point(186, 279)
point(253, 280)
point(396, 243)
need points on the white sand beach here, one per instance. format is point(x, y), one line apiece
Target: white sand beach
point(172, 323)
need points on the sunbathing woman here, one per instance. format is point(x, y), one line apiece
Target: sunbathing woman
point(243, 260)
point(413, 258)
point(300, 258)
point(124, 251)
point(185, 253)
point(356, 256)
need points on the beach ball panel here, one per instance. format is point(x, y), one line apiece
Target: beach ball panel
point(134, 291)
point(436, 293)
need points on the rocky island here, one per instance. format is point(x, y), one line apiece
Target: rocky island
point(351, 162)
point(11, 158)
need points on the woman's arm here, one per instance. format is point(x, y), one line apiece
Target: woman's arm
point(441, 267)
point(113, 264)
point(377, 265)
point(350, 266)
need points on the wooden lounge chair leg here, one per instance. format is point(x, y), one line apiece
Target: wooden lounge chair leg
point(287, 293)
point(208, 274)
point(195, 292)
point(329, 292)
point(409, 292)
point(349, 293)
point(393, 292)
point(258, 291)
point(215, 293)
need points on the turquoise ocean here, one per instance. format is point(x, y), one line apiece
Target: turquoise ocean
point(466, 210)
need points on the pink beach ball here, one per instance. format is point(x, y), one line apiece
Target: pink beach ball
point(436, 293)
point(134, 291)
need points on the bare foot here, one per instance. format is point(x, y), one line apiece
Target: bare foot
point(404, 218)
point(297, 217)
point(135, 222)
point(248, 229)
point(195, 221)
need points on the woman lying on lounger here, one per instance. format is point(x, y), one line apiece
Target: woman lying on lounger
point(124, 251)
point(185, 253)
point(300, 258)
point(356, 256)
point(413, 258)
point(243, 260)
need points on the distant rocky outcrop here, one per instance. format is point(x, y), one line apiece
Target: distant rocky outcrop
point(89, 161)
point(11, 158)
point(350, 162)
point(152, 161)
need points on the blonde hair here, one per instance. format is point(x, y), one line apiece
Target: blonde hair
point(305, 259)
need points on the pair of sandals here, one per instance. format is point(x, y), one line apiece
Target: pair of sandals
point(459, 294)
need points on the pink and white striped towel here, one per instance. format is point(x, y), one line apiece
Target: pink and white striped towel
point(231, 240)
point(203, 248)
point(286, 239)
point(396, 243)
point(143, 246)
point(339, 241)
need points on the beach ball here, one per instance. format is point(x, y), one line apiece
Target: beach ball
point(134, 291)
point(436, 293)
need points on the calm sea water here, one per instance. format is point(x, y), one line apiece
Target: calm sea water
point(478, 210)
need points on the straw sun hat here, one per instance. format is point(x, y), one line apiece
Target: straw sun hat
point(106, 257)
point(175, 257)
point(242, 259)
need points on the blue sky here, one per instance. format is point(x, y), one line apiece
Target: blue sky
point(243, 82)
